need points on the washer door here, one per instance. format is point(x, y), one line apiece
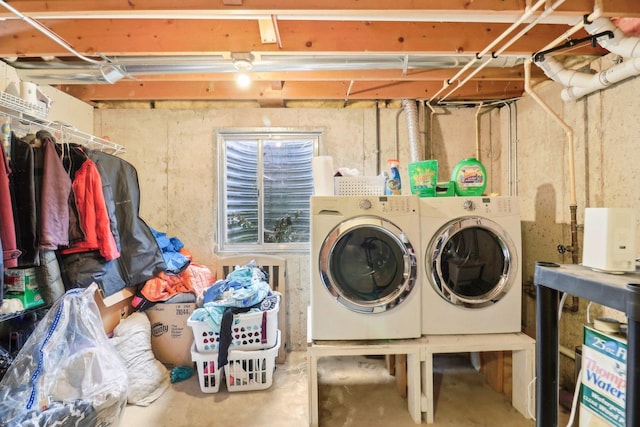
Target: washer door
point(368, 264)
point(471, 261)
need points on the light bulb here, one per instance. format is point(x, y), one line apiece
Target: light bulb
point(243, 80)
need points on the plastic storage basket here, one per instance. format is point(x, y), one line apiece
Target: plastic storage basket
point(251, 370)
point(249, 331)
point(208, 373)
point(359, 185)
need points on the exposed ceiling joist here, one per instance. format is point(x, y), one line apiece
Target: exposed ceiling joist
point(132, 39)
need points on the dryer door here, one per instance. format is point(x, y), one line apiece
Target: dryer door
point(471, 261)
point(368, 264)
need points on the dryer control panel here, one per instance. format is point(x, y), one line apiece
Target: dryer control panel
point(390, 204)
point(489, 205)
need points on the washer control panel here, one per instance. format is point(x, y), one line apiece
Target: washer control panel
point(389, 204)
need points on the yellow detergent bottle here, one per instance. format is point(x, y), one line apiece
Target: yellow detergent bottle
point(469, 178)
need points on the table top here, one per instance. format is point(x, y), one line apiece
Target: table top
point(618, 291)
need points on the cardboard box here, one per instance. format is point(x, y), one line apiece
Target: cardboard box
point(114, 308)
point(171, 337)
point(604, 379)
point(19, 279)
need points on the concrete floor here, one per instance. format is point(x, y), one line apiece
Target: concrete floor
point(354, 391)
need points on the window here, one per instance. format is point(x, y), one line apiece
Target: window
point(265, 182)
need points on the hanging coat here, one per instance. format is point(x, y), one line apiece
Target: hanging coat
point(92, 214)
point(140, 256)
point(10, 252)
point(23, 186)
point(54, 197)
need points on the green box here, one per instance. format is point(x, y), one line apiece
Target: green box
point(423, 177)
point(446, 189)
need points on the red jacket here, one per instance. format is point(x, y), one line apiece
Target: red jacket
point(92, 212)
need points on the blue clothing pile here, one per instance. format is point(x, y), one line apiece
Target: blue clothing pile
point(170, 246)
point(244, 287)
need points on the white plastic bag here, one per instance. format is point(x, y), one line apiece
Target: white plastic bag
point(67, 372)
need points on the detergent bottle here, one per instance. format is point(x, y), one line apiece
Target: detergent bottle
point(469, 178)
point(394, 186)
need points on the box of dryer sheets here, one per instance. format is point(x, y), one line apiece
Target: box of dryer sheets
point(21, 283)
point(171, 338)
point(604, 379)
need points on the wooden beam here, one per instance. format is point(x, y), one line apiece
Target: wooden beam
point(345, 8)
point(180, 37)
point(128, 90)
point(436, 74)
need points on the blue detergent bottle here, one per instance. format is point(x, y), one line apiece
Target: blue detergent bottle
point(394, 185)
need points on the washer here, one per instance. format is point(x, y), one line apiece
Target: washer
point(364, 267)
point(471, 248)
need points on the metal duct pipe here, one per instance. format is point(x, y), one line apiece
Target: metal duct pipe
point(411, 110)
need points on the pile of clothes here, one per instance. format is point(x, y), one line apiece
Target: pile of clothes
point(182, 281)
point(245, 289)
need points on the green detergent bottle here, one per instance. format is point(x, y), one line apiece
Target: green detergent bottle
point(469, 178)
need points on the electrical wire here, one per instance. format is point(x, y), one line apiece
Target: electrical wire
point(574, 403)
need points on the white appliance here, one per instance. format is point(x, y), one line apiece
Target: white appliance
point(609, 239)
point(471, 249)
point(364, 267)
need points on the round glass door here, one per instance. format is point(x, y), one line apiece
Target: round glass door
point(368, 264)
point(471, 261)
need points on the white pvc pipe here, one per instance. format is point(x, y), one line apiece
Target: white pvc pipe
point(526, 15)
point(431, 114)
point(511, 41)
point(478, 132)
point(567, 129)
point(603, 79)
point(578, 84)
point(556, 72)
point(620, 44)
point(47, 32)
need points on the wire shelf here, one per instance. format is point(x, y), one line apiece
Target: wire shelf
point(28, 114)
point(22, 107)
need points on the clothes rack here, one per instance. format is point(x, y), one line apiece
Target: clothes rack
point(26, 114)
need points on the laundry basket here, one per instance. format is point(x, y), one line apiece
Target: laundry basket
point(251, 370)
point(209, 375)
point(359, 185)
point(249, 331)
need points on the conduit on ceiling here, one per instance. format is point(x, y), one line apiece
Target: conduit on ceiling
point(58, 71)
point(578, 84)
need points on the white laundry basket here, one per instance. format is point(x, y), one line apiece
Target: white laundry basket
point(209, 375)
point(251, 370)
point(249, 331)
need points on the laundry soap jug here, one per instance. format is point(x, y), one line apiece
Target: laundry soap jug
point(469, 178)
point(394, 186)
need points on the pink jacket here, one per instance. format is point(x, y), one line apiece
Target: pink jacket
point(10, 252)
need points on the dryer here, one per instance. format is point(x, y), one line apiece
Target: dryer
point(364, 267)
point(471, 250)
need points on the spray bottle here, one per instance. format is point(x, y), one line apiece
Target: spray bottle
point(394, 186)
